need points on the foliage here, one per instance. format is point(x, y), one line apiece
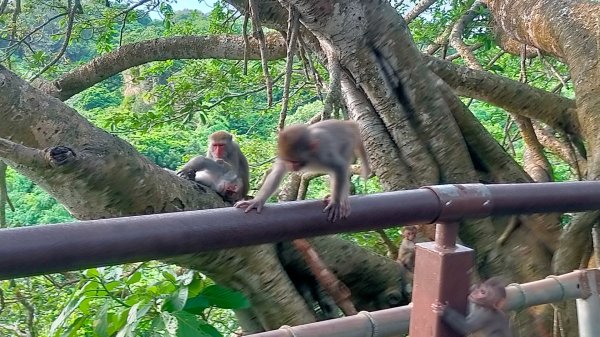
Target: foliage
point(102, 95)
point(147, 299)
point(32, 204)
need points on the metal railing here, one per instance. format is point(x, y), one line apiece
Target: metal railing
point(45, 249)
point(581, 285)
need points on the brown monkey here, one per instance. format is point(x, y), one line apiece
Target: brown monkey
point(221, 146)
point(485, 311)
point(406, 252)
point(326, 146)
point(218, 175)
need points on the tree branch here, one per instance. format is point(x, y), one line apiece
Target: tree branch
point(293, 26)
point(3, 6)
point(418, 9)
point(518, 98)
point(456, 37)
point(22, 155)
point(135, 54)
point(260, 36)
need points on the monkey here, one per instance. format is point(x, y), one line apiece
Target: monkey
point(326, 146)
point(485, 311)
point(406, 252)
point(218, 175)
point(221, 146)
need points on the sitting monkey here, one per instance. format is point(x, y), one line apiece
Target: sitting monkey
point(218, 175)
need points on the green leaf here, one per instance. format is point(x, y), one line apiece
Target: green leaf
point(112, 285)
point(189, 325)
point(65, 313)
point(133, 318)
point(93, 272)
point(169, 276)
point(197, 304)
point(176, 301)
point(100, 323)
point(152, 290)
point(134, 278)
point(71, 331)
point(225, 298)
point(84, 306)
point(195, 286)
point(211, 330)
point(116, 321)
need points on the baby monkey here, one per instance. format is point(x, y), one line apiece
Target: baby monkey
point(406, 252)
point(485, 311)
point(326, 146)
point(218, 175)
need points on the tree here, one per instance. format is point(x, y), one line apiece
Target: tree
point(428, 137)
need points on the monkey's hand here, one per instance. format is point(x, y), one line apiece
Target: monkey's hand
point(439, 308)
point(187, 174)
point(336, 210)
point(250, 204)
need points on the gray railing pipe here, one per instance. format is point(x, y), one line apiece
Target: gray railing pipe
point(579, 284)
point(52, 248)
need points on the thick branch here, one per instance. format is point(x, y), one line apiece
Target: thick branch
point(98, 161)
point(183, 47)
point(22, 155)
point(514, 97)
point(262, 45)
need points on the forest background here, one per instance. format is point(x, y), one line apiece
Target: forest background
point(166, 110)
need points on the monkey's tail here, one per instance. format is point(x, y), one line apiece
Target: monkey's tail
point(365, 169)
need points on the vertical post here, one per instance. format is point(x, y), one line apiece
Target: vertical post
point(588, 309)
point(442, 273)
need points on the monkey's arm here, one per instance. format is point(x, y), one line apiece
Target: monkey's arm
point(244, 174)
point(338, 206)
point(195, 164)
point(475, 321)
point(267, 189)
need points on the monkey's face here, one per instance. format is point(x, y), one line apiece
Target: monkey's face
point(218, 150)
point(484, 296)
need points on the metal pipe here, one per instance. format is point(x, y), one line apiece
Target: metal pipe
point(395, 321)
point(446, 235)
point(388, 322)
point(588, 309)
point(45, 249)
point(543, 197)
point(549, 290)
